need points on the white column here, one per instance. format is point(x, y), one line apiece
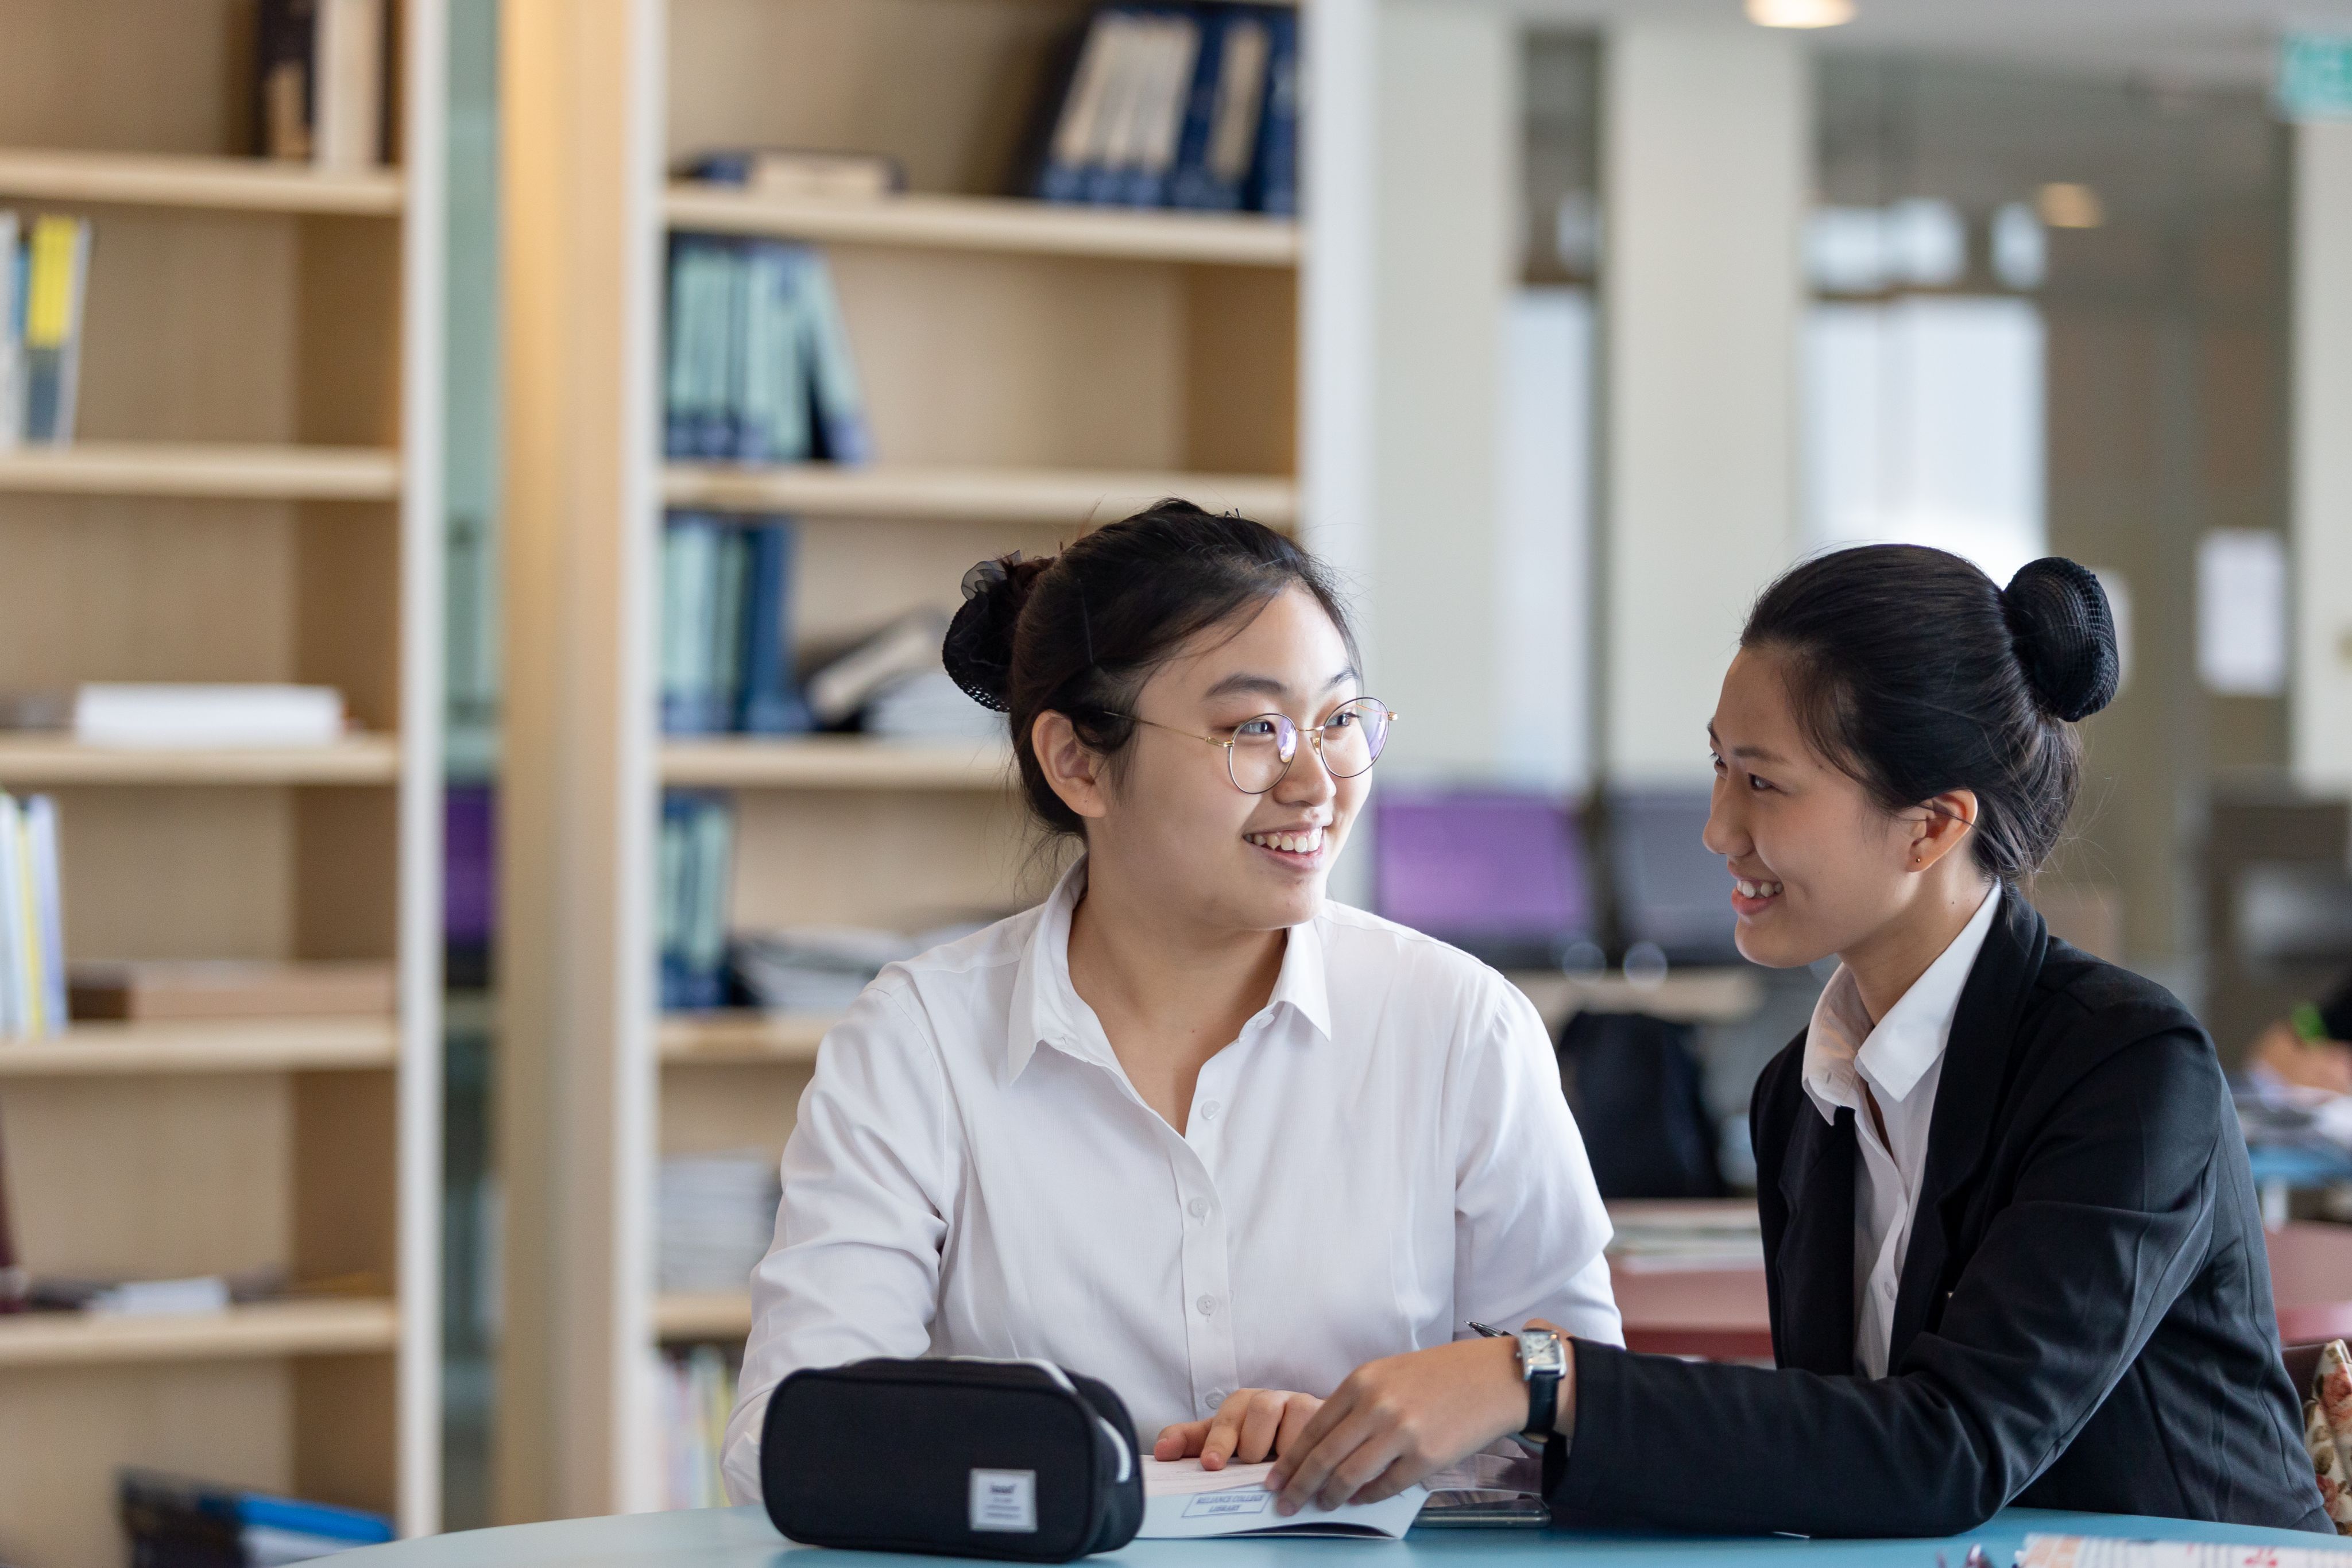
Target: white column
point(2320, 713)
point(1706, 170)
point(1446, 265)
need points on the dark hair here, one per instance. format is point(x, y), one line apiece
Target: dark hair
point(1078, 633)
point(1908, 669)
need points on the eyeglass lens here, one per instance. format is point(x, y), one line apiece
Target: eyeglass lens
point(1350, 740)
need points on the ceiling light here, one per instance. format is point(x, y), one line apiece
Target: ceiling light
point(1800, 13)
point(2070, 206)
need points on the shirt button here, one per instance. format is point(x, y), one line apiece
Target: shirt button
point(1886, 1289)
point(1208, 1305)
point(1198, 1208)
point(1216, 1397)
point(1209, 1112)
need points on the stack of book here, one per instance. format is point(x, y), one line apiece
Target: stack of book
point(1177, 106)
point(319, 82)
point(893, 682)
point(32, 927)
point(693, 862)
point(178, 1523)
point(758, 367)
point(44, 271)
point(726, 626)
point(714, 1216)
point(697, 1390)
point(182, 714)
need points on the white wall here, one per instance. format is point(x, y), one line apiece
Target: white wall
point(1706, 169)
point(2320, 711)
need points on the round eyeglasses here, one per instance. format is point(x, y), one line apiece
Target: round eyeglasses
point(1261, 749)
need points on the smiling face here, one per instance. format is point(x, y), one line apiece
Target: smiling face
point(1817, 866)
point(1169, 818)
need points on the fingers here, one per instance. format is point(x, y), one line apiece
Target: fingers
point(1311, 1437)
point(1312, 1474)
point(1181, 1441)
point(1361, 1468)
point(1400, 1474)
point(1224, 1431)
point(1261, 1421)
point(1294, 1419)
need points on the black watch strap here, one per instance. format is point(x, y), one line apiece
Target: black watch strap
point(1543, 1361)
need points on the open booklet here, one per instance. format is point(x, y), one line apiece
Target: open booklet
point(2092, 1551)
point(1183, 1502)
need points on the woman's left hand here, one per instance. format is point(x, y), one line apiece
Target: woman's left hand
point(1396, 1420)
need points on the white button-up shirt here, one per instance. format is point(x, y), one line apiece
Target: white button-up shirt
point(1383, 1154)
point(1902, 1060)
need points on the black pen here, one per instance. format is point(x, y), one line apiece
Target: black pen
point(1493, 1332)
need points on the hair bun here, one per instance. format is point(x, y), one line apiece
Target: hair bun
point(2064, 634)
point(977, 650)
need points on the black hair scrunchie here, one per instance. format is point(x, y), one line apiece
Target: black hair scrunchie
point(977, 650)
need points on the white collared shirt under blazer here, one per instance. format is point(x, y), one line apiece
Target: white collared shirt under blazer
point(1383, 1154)
point(1902, 1060)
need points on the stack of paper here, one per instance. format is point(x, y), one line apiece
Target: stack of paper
point(714, 1216)
point(192, 715)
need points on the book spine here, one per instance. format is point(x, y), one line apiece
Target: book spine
point(1072, 148)
point(15, 1009)
point(771, 699)
point(348, 83)
point(677, 429)
point(1276, 180)
point(60, 257)
point(677, 640)
point(1132, 51)
point(840, 425)
point(285, 38)
point(1241, 104)
point(670, 899)
point(1165, 109)
point(731, 584)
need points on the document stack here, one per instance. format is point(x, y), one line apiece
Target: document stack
point(1178, 106)
point(44, 273)
point(758, 367)
point(32, 928)
point(714, 1216)
point(697, 1390)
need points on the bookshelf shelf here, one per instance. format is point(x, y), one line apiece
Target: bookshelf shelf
point(991, 224)
point(836, 762)
point(243, 1045)
point(739, 1037)
point(362, 759)
point(230, 184)
point(204, 470)
point(713, 1314)
point(264, 1329)
point(968, 493)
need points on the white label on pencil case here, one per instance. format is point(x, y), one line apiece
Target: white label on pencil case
point(1005, 1502)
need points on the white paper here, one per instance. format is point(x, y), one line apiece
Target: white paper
point(1183, 1502)
point(2092, 1552)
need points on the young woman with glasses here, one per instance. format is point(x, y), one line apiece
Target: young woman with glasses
point(2010, 1237)
point(1186, 1126)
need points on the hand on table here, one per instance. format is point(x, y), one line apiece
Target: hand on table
point(1396, 1420)
point(1252, 1426)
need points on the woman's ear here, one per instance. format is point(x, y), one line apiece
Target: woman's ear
point(1072, 768)
point(1944, 825)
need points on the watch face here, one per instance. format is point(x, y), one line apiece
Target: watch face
point(1542, 1353)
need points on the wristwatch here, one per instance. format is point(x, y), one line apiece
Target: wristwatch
point(1543, 1362)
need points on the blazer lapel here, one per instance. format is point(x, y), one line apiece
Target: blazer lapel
point(1814, 1272)
point(1976, 1068)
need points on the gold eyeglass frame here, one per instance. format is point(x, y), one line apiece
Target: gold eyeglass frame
point(1314, 738)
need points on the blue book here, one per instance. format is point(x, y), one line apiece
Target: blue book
point(1073, 143)
point(720, 426)
point(1220, 128)
point(842, 435)
point(772, 704)
point(697, 850)
point(690, 582)
point(1274, 182)
point(1116, 134)
point(678, 380)
point(1164, 108)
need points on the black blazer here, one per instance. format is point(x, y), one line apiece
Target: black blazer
point(2084, 1320)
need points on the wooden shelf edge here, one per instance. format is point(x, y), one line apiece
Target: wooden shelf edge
point(165, 180)
point(834, 762)
point(204, 470)
point(225, 1045)
point(992, 223)
point(717, 1314)
point(736, 1038)
point(245, 1332)
point(1070, 497)
point(362, 759)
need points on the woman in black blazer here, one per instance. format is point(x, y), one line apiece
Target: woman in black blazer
point(2036, 1273)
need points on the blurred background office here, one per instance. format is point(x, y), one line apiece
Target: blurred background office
point(482, 482)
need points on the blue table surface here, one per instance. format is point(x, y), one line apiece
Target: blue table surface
point(742, 1537)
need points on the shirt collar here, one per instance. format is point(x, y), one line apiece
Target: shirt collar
point(1907, 1042)
point(1047, 1009)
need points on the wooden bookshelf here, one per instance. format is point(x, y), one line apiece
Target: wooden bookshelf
point(1052, 496)
point(1029, 372)
point(188, 180)
point(703, 1315)
point(239, 1045)
point(34, 762)
point(734, 1037)
point(991, 223)
point(253, 495)
point(834, 762)
point(264, 1330)
point(240, 471)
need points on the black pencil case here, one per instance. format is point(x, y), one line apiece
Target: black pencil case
point(969, 1457)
